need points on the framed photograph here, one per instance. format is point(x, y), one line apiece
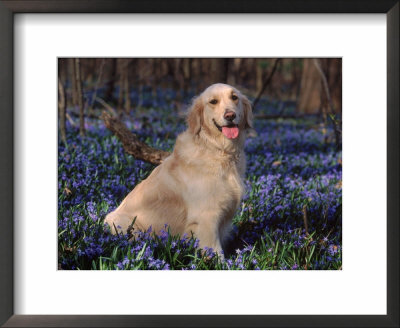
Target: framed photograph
point(281, 211)
point(126, 128)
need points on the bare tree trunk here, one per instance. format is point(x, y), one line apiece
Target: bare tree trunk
point(63, 75)
point(267, 81)
point(73, 84)
point(120, 85)
point(207, 72)
point(317, 64)
point(179, 82)
point(99, 76)
point(62, 111)
point(187, 74)
point(310, 89)
point(219, 70)
point(298, 78)
point(259, 75)
point(334, 79)
point(79, 94)
point(156, 69)
point(111, 82)
point(226, 63)
point(179, 74)
point(127, 104)
point(232, 78)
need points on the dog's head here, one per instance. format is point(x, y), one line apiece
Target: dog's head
point(221, 111)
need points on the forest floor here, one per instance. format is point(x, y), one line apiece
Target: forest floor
point(294, 178)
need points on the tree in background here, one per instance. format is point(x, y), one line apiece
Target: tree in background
point(62, 111)
point(312, 95)
point(122, 84)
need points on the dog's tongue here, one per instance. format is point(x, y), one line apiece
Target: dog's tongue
point(230, 132)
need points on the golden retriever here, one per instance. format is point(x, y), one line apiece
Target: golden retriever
point(198, 188)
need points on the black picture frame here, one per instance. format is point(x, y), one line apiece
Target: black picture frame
point(7, 11)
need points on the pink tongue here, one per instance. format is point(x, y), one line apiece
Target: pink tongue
point(230, 132)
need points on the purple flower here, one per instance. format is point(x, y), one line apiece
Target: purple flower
point(95, 175)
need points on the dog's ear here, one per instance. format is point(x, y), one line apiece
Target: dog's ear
point(248, 114)
point(248, 117)
point(195, 116)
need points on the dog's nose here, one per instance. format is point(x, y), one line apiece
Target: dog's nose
point(229, 116)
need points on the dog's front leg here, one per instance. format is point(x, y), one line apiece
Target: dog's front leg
point(207, 233)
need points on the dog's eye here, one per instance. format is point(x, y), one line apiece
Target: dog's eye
point(214, 101)
point(234, 97)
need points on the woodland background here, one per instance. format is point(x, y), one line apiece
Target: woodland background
point(119, 117)
point(298, 83)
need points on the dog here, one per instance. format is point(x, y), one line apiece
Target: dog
point(198, 188)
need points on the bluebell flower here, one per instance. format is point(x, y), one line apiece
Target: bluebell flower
point(308, 174)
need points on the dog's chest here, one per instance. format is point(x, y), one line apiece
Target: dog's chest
point(219, 187)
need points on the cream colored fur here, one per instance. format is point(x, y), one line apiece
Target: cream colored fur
point(199, 186)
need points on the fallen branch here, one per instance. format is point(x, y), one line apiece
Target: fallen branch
point(106, 106)
point(131, 143)
point(71, 121)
